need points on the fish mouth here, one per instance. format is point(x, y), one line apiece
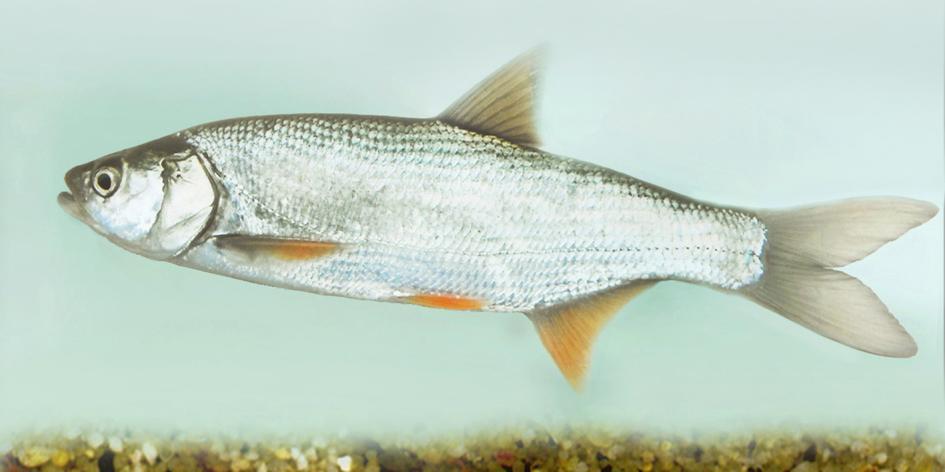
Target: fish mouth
point(67, 200)
point(68, 203)
point(75, 209)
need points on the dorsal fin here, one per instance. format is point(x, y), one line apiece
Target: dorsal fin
point(503, 105)
point(568, 330)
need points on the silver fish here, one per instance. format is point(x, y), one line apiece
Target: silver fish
point(464, 211)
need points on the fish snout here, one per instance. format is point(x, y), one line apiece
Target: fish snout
point(75, 178)
point(75, 181)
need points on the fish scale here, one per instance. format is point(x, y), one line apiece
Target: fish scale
point(423, 206)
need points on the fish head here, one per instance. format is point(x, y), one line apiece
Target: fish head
point(154, 199)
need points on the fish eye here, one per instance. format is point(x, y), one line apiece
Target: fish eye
point(105, 181)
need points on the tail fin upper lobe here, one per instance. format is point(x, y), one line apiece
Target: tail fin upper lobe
point(804, 244)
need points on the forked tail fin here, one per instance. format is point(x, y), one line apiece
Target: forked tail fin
point(804, 244)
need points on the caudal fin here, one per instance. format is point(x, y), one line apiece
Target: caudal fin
point(804, 244)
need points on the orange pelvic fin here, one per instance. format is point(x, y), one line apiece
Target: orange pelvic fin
point(448, 302)
point(568, 330)
point(276, 248)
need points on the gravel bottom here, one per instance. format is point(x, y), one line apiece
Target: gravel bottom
point(511, 450)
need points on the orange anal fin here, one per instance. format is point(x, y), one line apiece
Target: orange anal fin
point(568, 330)
point(275, 248)
point(448, 302)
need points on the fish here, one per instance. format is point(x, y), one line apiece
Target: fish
point(464, 211)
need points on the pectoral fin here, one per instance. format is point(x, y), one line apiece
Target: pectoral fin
point(503, 104)
point(568, 330)
point(254, 247)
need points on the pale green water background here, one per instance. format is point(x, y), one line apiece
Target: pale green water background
point(738, 102)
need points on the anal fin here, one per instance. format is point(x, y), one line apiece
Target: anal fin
point(568, 330)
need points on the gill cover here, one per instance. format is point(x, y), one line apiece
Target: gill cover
point(187, 206)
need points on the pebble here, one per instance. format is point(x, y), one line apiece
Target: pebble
point(95, 440)
point(344, 463)
point(115, 444)
point(457, 451)
point(150, 452)
point(61, 458)
point(881, 458)
point(35, 456)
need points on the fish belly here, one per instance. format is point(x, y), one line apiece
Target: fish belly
point(422, 207)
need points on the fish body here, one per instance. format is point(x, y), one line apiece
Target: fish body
point(465, 211)
point(426, 207)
